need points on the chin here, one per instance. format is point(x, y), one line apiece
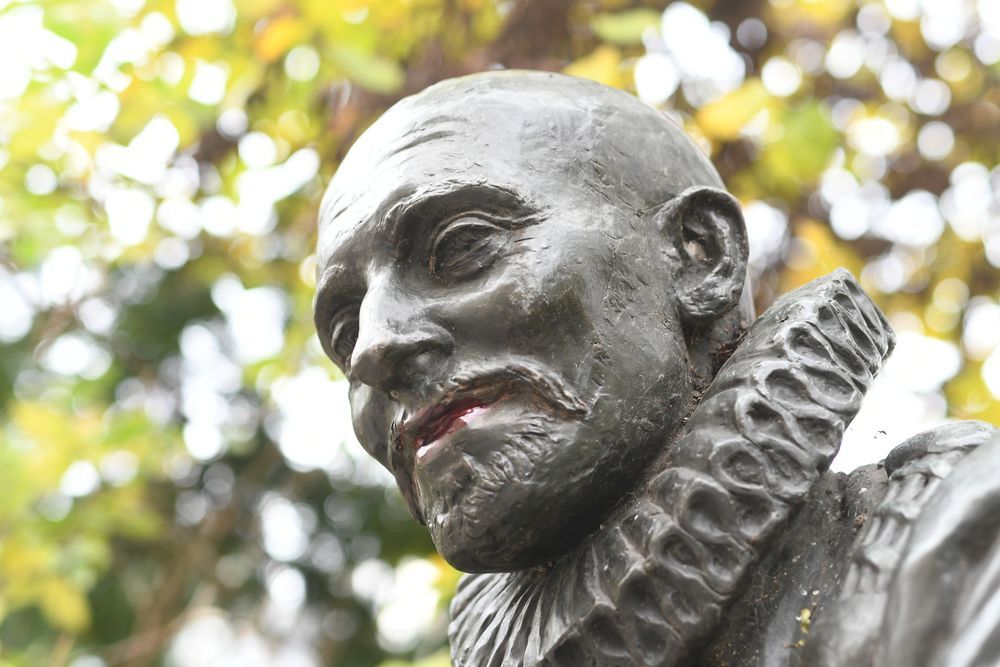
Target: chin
point(498, 497)
point(500, 536)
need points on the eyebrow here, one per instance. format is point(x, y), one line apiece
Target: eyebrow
point(450, 198)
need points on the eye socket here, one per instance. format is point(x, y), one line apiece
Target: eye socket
point(344, 334)
point(464, 247)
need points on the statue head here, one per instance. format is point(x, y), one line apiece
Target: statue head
point(526, 278)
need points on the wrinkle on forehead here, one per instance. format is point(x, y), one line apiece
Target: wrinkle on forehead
point(445, 152)
point(428, 131)
point(390, 139)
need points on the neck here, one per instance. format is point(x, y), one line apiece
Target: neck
point(651, 584)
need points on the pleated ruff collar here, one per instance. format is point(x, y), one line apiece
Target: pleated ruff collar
point(650, 585)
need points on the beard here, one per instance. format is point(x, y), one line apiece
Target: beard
point(526, 485)
point(481, 502)
point(482, 506)
point(550, 400)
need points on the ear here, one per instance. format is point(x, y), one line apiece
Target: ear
point(706, 229)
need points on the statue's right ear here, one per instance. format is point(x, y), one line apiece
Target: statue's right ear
point(706, 228)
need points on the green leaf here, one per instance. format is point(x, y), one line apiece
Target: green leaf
point(90, 26)
point(625, 27)
point(725, 117)
point(803, 151)
point(369, 71)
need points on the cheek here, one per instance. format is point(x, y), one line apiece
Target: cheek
point(529, 305)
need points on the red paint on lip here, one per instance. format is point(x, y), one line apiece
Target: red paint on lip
point(449, 421)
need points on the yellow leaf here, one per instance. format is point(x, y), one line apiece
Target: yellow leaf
point(602, 65)
point(816, 12)
point(805, 620)
point(725, 117)
point(35, 121)
point(64, 605)
point(252, 9)
point(278, 36)
point(816, 252)
point(88, 140)
point(447, 578)
point(56, 439)
point(439, 659)
point(824, 12)
point(25, 560)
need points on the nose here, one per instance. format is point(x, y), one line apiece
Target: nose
point(398, 343)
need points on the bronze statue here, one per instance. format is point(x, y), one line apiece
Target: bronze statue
point(536, 287)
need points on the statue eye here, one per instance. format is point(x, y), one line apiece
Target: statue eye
point(344, 334)
point(464, 247)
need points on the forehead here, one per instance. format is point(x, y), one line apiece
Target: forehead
point(423, 147)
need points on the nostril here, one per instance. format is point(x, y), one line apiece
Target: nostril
point(419, 365)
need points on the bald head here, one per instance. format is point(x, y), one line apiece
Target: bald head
point(523, 130)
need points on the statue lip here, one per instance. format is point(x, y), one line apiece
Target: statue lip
point(427, 426)
point(433, 424)
point(423, 432)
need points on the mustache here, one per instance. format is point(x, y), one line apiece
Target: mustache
point(492, 384)
point(559, 396)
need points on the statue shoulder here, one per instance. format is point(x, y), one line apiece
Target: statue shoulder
point(943, 606)
point(940, 508)
point(935, 451)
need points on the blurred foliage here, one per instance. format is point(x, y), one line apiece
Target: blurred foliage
point(180, 484)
